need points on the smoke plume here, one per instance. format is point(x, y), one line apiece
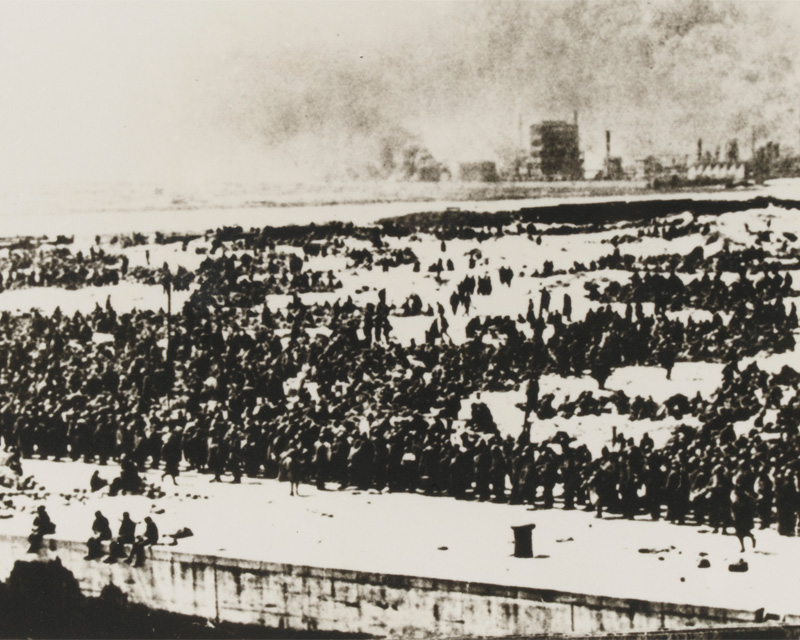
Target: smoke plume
point(308, 91)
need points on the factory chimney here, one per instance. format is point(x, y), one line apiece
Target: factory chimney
point(699, 150)
point(608, 144)
point(575, 117)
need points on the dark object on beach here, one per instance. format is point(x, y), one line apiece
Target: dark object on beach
point(97, 483)
point(738, 567)
point(184, 532)
point(523, 540)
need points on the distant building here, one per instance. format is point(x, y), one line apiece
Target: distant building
point(769, 162)
point(662, 169)
point(612, 165)
point(485, 171)
point(612, 169)
point(419, 165)
point(430, 173)
point(554, 152)
point(717, 172)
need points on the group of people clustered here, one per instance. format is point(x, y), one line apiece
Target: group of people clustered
point(322, 393)
point(101, 532)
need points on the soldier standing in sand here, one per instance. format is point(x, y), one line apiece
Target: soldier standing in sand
point(172, 455)
point(743, 511)
point(531, 398)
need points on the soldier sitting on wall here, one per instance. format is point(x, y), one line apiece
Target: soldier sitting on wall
point(101, 527)
point(42, 526)
point(126, 535)
point(149, 538)
point(127, 529)
point(102, 531)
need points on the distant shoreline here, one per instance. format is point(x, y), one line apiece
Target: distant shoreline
point(88, 210)
point(264, 195)
point(420, 192)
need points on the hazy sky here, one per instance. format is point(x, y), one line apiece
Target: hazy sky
point(196, 91)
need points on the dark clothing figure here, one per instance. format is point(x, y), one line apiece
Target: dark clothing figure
point(149, 538)
point(321, 460)
point(216, 460)
point(544, 302)
point(97, 483)
point(42, 523)
point(151, 532)
point(531, 398)
point(128, 480)
point(567, 309)
point(678, 492)
point(101, 527)
point(42, 526)
point(94, 548)
point(743, 512)
point(127, 530)
point(766, 498)
point(102, 531)
point(786, 496)
point(172, 457)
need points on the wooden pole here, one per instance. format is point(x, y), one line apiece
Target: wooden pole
point(168, 288)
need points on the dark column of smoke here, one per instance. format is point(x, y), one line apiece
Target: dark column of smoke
point(660, 75)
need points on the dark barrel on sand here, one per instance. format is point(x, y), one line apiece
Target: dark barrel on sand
point(523, 540)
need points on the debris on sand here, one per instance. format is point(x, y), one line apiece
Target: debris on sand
point(739, 567)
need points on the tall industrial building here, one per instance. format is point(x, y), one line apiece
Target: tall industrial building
point(555, 152)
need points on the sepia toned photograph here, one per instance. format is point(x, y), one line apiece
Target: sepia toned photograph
point(399, 319)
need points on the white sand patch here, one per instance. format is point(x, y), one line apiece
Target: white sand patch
point(124, 297)
point(774, 362)
point(688, 378)
point(137, 208)
point(595, 431)
point(402, 534)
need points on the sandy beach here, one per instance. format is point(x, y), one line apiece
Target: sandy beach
point(416, 534)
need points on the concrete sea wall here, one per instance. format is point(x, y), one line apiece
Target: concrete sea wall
point(300, 597)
